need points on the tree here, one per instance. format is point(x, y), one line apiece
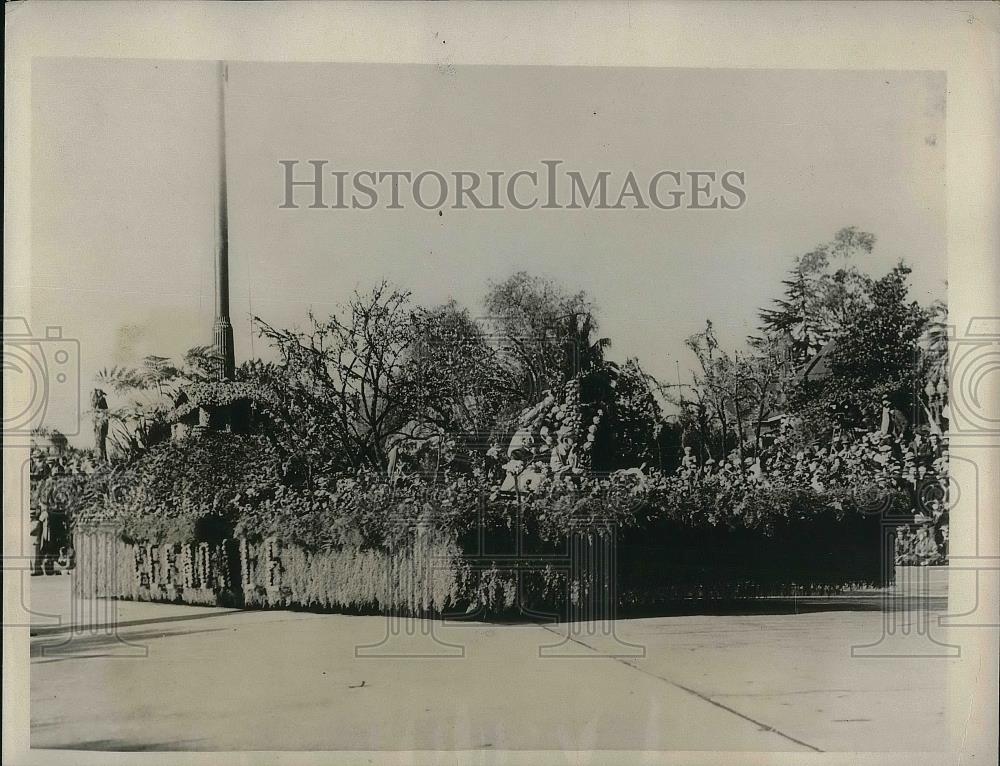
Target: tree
point(53, 436)
point(150, 392)
point(761, 374)
point(817, 300)
point(875, 354)
point(476, 392)
point(863, 329)
point(545, 331)
point(737, 391)
point(933, 342)
point(692, 419)
point(160, 377)
point(636, 429)
point(349, 383)
point(711, 382)
point(582, 352)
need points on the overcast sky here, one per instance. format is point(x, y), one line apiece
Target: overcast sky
point(124, 170)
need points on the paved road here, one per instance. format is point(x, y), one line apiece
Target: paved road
point(179, 677)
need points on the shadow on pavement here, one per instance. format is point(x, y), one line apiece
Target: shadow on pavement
point(116, 745)
point(88, 645)
point(801, 605)
point(48, 630)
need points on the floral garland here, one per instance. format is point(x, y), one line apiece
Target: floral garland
point(142, 573)
point(170, 566)
point(217, 394)
point(202, 565)
point(272, 554)
point(562, 413)
point(153, 555)
point(187, 566)
point(204, 568)
point(219, 566)
point(247, 560)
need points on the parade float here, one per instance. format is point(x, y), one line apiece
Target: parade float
point(546, 521)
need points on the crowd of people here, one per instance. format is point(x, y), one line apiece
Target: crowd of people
point(915, 461)
point(57, 475)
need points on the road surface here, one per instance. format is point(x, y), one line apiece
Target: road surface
point(198, 678)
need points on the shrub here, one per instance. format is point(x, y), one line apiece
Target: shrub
point(174, 486)
point(675, 538)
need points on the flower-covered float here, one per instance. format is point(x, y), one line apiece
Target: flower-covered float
point(555, 438)
point(218, 405)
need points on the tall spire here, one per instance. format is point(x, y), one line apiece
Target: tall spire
point(223, 327)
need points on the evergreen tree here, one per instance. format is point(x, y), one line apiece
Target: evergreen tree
point(817, 300)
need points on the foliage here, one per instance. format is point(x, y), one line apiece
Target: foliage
point(163, 375)
point(355, 379)
point(60, 482)
point(731, 395)
point(175, 486)
point(546, 332)
point(385, 381)
point(473, 381)
point(150, 394)
point(217, 393)
point(383, 421)
point(635, 431)
point(933, 343)
point(411, 545)
point(43, 438)
point(836, 343)
point(817, 298)
point(240, 487)
point(875, 355)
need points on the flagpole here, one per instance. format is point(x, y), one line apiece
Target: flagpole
point(223, 327)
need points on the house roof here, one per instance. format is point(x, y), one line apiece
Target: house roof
point(819, 367)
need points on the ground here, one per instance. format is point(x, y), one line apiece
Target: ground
point(199, 678)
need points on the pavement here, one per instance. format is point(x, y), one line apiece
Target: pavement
point(109, 675)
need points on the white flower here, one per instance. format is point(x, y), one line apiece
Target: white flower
point(514, 466)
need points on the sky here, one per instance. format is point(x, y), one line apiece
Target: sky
point(124, 169)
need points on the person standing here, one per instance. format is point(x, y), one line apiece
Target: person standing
point(40, 533)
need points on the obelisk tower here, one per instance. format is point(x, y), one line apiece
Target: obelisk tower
point(223, 327)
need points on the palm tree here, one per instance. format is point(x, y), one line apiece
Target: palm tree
point(933, 345)
point(581, 353)
point(934, 342)
point(152, 390)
